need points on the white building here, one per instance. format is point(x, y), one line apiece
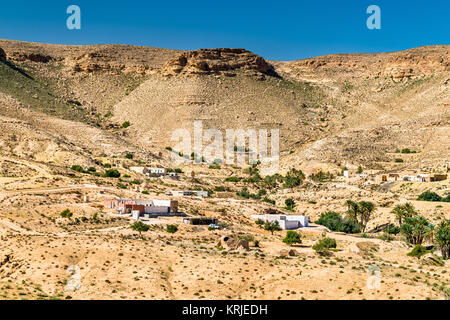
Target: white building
point(187, 193)
point(287, 222)
point(156, 172)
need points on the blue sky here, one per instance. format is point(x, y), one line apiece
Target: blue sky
point(278, 30)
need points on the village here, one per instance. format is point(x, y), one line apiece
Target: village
point(149, 210)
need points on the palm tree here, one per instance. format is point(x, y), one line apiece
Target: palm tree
point(362, 210)
point(403, 211)
point(416, 229)
point(352, 210)
point(365, 209)
point(442, 238)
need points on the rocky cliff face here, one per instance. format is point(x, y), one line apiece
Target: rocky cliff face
point(400, 66)
point(97, 61)
point(218, 61)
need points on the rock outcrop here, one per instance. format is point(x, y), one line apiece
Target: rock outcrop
point(30, 57)
point(232, 243)
point(96, 61)
point(400, 66)
point(222, 61)
point(2, 55)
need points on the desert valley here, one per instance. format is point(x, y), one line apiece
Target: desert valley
point(94, 207)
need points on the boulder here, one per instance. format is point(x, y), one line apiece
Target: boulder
point(232, 243)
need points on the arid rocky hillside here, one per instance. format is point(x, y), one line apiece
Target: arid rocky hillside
point(79, 124)
point(331, 110)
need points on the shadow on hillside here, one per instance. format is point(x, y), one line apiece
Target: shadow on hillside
point(17, 69)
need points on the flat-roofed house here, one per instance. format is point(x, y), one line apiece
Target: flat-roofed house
point(143, 206)
point(187, 193)
point(156, 172)
point(286, 222)
point(438, 177)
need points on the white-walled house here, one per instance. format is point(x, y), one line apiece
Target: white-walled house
point(188, 193)
point(286, 222)
point(156, 172)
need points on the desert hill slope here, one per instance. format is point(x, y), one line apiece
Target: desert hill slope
point(333, 110)
point(78, 124)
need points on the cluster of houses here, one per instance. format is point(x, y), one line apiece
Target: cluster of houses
point(187, 193)
point(286, 222)
point(378, 177)
point(155, 172)
point(143, 208)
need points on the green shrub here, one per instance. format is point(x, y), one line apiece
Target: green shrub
point(272, 226)
point(259, 222)
point(232, 179)
point(418, 251)
point(129, 155)
point(140, 227)
point(112, 173)
point(77, 168)
point(398, 160)
point(293, 178)
point(391, 229)
point(290, 204)
point(126, 124)
point(268, 200)
point(335, 222)
point(66, 213)
point(429, 196)
point(324, 244)
point(292, 237)
point(171, 228)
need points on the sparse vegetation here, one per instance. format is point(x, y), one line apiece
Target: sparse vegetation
point(335, 222)
point(171, 228)
point(416, 229)
point(292, 237)
point(112, 173)
point(66, 213)
point(140, 227)
point(272, 226)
